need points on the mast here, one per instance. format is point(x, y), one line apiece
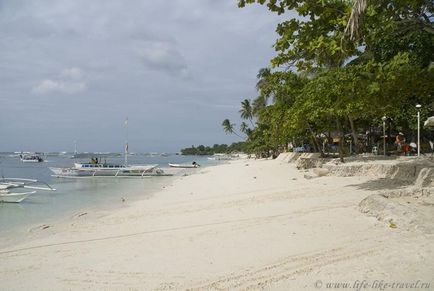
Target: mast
point(126, 142)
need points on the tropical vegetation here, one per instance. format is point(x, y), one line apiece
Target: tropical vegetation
point(202, 150)
point(340, 66)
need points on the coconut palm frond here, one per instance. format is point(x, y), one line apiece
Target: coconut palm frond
point(262, 76)
point(246, 110)
point(244, 128)
point(355, 21)
point(228, 127)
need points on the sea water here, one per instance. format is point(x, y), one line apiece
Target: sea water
point(73, 196)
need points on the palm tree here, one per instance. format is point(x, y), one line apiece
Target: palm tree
point(246, 111)
point(258, 105)
point(228, 127)
point(262, 76)
point(422, 19)
point(244, 127)
point(355, 20)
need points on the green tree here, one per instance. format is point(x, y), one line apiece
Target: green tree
point(229, 128)
point(343, 83)
point(246, 111)
point(314, 38)
point(410, 15)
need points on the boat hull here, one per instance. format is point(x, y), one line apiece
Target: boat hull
point(14, 197)
point(31, 161)
point(183, 166)
point(74, 172)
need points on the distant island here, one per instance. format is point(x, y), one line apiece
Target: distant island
point(202, 150)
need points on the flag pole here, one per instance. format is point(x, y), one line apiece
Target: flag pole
point(126, 142)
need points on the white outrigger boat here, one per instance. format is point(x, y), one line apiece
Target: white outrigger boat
point(97, 169)
point(107, 170)
point(17, 184)
point(184, 166)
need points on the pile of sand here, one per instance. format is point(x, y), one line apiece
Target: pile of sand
point(297, 157)
point(410, 209)
point(419, 171)
point(403, 171)
point(410, 206)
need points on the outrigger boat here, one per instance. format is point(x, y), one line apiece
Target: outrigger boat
point(97, 169)
point(17, 184)
point(107, 170)
point(184, 166)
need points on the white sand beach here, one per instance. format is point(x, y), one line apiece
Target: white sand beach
point(249, 224)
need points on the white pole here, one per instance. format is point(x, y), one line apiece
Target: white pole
point(126, 143)
point(418, 106)
point(126, 154)
point(384, 134)
point(418, 133)
point(384, 138)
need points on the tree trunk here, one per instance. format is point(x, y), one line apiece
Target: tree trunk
point(341, 140)
point(354, 134)
point(315, 142)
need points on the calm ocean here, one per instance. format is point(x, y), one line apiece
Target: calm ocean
point(76, 195)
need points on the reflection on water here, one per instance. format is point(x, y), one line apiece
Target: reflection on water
point(73, 195)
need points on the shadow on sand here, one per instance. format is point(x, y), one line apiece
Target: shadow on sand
point(381, 184)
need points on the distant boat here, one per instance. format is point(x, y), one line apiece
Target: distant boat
point(220, 157)
point(82, 155)
point(232, 156)
point(185, 166)
point(17, 184)
point(31, 159)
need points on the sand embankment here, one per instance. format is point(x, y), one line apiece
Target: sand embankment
point(244, 225)
point(403, 186)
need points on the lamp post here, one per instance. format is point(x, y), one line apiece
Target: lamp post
point(384, 118)
point(418, 106)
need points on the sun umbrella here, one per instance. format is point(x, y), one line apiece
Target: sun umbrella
point(429, 122)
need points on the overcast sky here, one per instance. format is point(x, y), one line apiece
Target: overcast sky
point(74, 70)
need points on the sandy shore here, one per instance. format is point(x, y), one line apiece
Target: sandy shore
point(244, 225)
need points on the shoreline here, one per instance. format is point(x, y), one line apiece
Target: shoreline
point(249, 224)
point(17, 233)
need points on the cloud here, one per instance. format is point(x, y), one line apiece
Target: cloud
point(163, 56)
point(51, 86)
point(72, 73)
point(105, 52)
point(70, 81)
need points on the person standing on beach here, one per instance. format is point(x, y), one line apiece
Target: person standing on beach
point(399, 141)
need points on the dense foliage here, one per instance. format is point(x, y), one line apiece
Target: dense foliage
point(215, 149)
point(324, 86)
